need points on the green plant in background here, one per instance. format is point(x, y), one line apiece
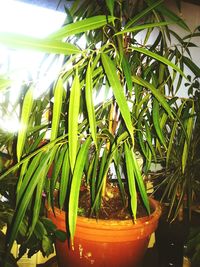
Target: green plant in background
point(179, 183)
point(111, 98)
point(43, 237)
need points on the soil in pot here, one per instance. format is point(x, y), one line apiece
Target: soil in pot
point(112, 206)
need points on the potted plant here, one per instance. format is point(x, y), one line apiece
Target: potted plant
point(178, 180)
point(94, 138)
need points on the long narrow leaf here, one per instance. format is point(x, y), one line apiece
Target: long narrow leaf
point(25, 116)
point(57, 164)
point(84, 25)
point(90, 104)
point(57, 107)
point(21, 209)
point(143, 27)
point(131, 179)
point(156, 122)
point(127, 72)
point(141, 14)
point(64, 178)
point(192, 66)
point(30, 171)
point(116, 159)
point(75, 187)
point(140, 181)
point(16, 166)
point(118, 91)
point(21, 176)
point(171, 15)
point(110, 5)
point(187, 142)
point(161, 99)
point(140, 132)
point(159, 58)
point(149, 139)
point(14, 40)
point(74, 106)
point(173, 132)
point(39, 189)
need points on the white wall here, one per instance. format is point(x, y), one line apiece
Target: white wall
point(190, 13)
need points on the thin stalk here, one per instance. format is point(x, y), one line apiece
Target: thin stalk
point(110, 127)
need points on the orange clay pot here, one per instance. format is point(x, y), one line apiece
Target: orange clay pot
point(112, 243)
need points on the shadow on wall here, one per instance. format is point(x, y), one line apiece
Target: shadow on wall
point(49, 3)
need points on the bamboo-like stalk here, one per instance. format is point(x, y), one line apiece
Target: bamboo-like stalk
point(110, 127)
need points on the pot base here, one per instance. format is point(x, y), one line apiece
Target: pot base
point(106, 243)
point(87, 253)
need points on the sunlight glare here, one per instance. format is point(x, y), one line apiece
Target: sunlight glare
point(25, 66)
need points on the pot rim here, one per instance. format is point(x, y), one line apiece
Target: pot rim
point(116, 231)
point(154, 216)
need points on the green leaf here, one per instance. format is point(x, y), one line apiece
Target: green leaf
point(192, 66)
point(40, 229)
point(143, 27)
point(74, 106)
point(173, 133)
point(39, 189)
point(61, 235)
point(94, 176)
point(148, 160)
point(57, 107)
point(22, 207)
point(131, 179)
point(156, 122)
point(29, 172)
point(140, 132)
point(23, 172)
point(47, 245)
point(102, 166)
point(14, 40)
point(49, 226)
point(149, 139)
point(161, 99)
point(37, 201)
point(190, 124)
point(142, 13)
point(171, 15)
point(122, 137)
point(110, 5)
point(118, 92)
point(17, 165)
point(56, 172)
point(127, 72)
point(37, 142)
point(143, 103)
point(80, 26)
point(90, 104)
point(140, 181)
point(25, 116)
point(159, 58)
point(64, 178)
point(192, 35)
point(116, 159)
point(75, 187)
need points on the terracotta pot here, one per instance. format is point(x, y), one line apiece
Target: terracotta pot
point(106, 242)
